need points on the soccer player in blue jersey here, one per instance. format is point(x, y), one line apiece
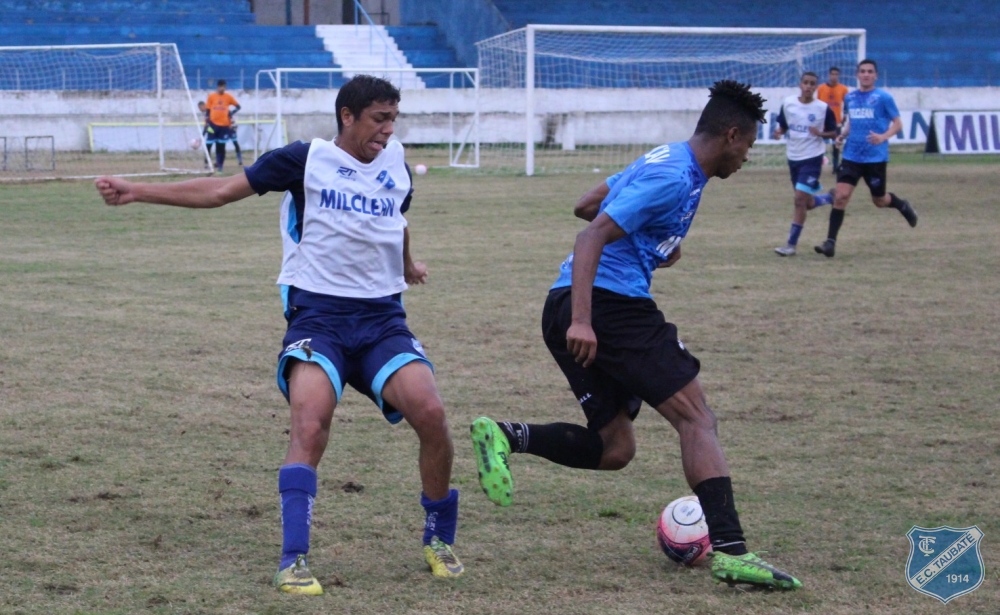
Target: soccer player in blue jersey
point(615, 347)
point(807, 122)
point(346, 262)
point(870, 120)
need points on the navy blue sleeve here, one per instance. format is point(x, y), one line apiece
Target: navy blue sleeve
point(781, 118)
point(409, 195)
point(830, 123)
point(280, 169)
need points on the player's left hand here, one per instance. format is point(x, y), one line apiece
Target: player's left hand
point(115, 190)
point(673, 258)
point(415, 273)
point(875, 138)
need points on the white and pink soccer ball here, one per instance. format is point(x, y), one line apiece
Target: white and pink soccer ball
point(682, 532)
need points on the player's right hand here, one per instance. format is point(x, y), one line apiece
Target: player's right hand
point(114, 190)
point(582, 343)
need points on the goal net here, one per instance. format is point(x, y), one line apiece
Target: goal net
point(89, 110)
point(438, 110)
point(581, 98)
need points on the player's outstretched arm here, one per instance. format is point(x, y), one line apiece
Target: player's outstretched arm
point(201, 193)
point(580, 338)
point(589, 204)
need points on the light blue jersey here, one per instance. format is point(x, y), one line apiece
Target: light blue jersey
point(654, 201)
point(871, 111)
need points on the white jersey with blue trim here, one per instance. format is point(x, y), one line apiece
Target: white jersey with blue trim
point(796, 118)
point(351, 239)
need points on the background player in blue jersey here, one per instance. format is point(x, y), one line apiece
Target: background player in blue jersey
point(870, 120)
point(615, 347)
point(807, 122)
point(346, 261)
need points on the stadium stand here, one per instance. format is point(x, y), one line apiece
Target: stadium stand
point(216, 40)
point(917, 42)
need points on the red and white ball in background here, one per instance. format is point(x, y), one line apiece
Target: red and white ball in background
point(682, 532)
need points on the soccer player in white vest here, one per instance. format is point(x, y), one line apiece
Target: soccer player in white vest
point(346, 263)
point(807, 122)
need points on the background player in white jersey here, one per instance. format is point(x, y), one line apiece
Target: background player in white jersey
point(613, 344)
point(807, 122)
point(346, 261)
point(870, 120)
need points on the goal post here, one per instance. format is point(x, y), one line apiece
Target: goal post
point(564, 98)
point(438, 109)
point(107, 109)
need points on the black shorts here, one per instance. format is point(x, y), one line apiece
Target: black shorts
point(873, 173)
point(639, 358)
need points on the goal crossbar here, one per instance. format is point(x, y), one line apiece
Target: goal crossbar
point(512, 60)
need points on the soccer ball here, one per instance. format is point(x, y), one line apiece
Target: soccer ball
point(420, 169)
point(195, 143)
point(682, 532)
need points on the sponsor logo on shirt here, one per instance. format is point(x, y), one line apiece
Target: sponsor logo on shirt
point(347, 173)
point(372, 206)
point(658, 154)
point(861, 113)
point(386, 179)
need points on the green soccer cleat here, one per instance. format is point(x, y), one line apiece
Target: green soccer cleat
point(296, 579)
point(442, 560)
point(749, 568)
point(492, 449)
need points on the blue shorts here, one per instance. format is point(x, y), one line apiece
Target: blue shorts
point(220, 134)
point(805, 174)
point(360, 342)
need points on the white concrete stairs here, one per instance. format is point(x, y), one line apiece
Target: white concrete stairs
point(369, 50)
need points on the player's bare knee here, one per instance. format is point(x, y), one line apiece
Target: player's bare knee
point(427, 417)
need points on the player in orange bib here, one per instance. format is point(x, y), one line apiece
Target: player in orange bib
point(221, 127)
point(832, 93)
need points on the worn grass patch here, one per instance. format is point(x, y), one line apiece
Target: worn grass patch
point(141, 430)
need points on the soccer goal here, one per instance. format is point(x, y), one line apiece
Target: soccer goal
point(438, 110)
point(580, 98)
point(102, 109)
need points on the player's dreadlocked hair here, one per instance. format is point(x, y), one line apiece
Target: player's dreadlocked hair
point(360, 92)
point(730, 104)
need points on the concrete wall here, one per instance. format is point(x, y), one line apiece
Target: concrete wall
point(581, 117)
point(272, 12)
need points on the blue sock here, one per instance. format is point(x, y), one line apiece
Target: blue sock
point(822, 199)
point(442, 518)
point(297, 486)
point(793, 235)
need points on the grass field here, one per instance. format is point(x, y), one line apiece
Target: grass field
point(141, 429)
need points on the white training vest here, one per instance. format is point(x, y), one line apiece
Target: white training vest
point(800, 116)
point(352, 230)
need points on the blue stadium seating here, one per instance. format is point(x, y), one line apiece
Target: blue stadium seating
point(917, 42)
point(424, 46)
point(216, 40)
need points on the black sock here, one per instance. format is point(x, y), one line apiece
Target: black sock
point(716, 497)
point(220, 154)
point(836, 219)
point(895, 202)
point(567, 444)
point(239, 154)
